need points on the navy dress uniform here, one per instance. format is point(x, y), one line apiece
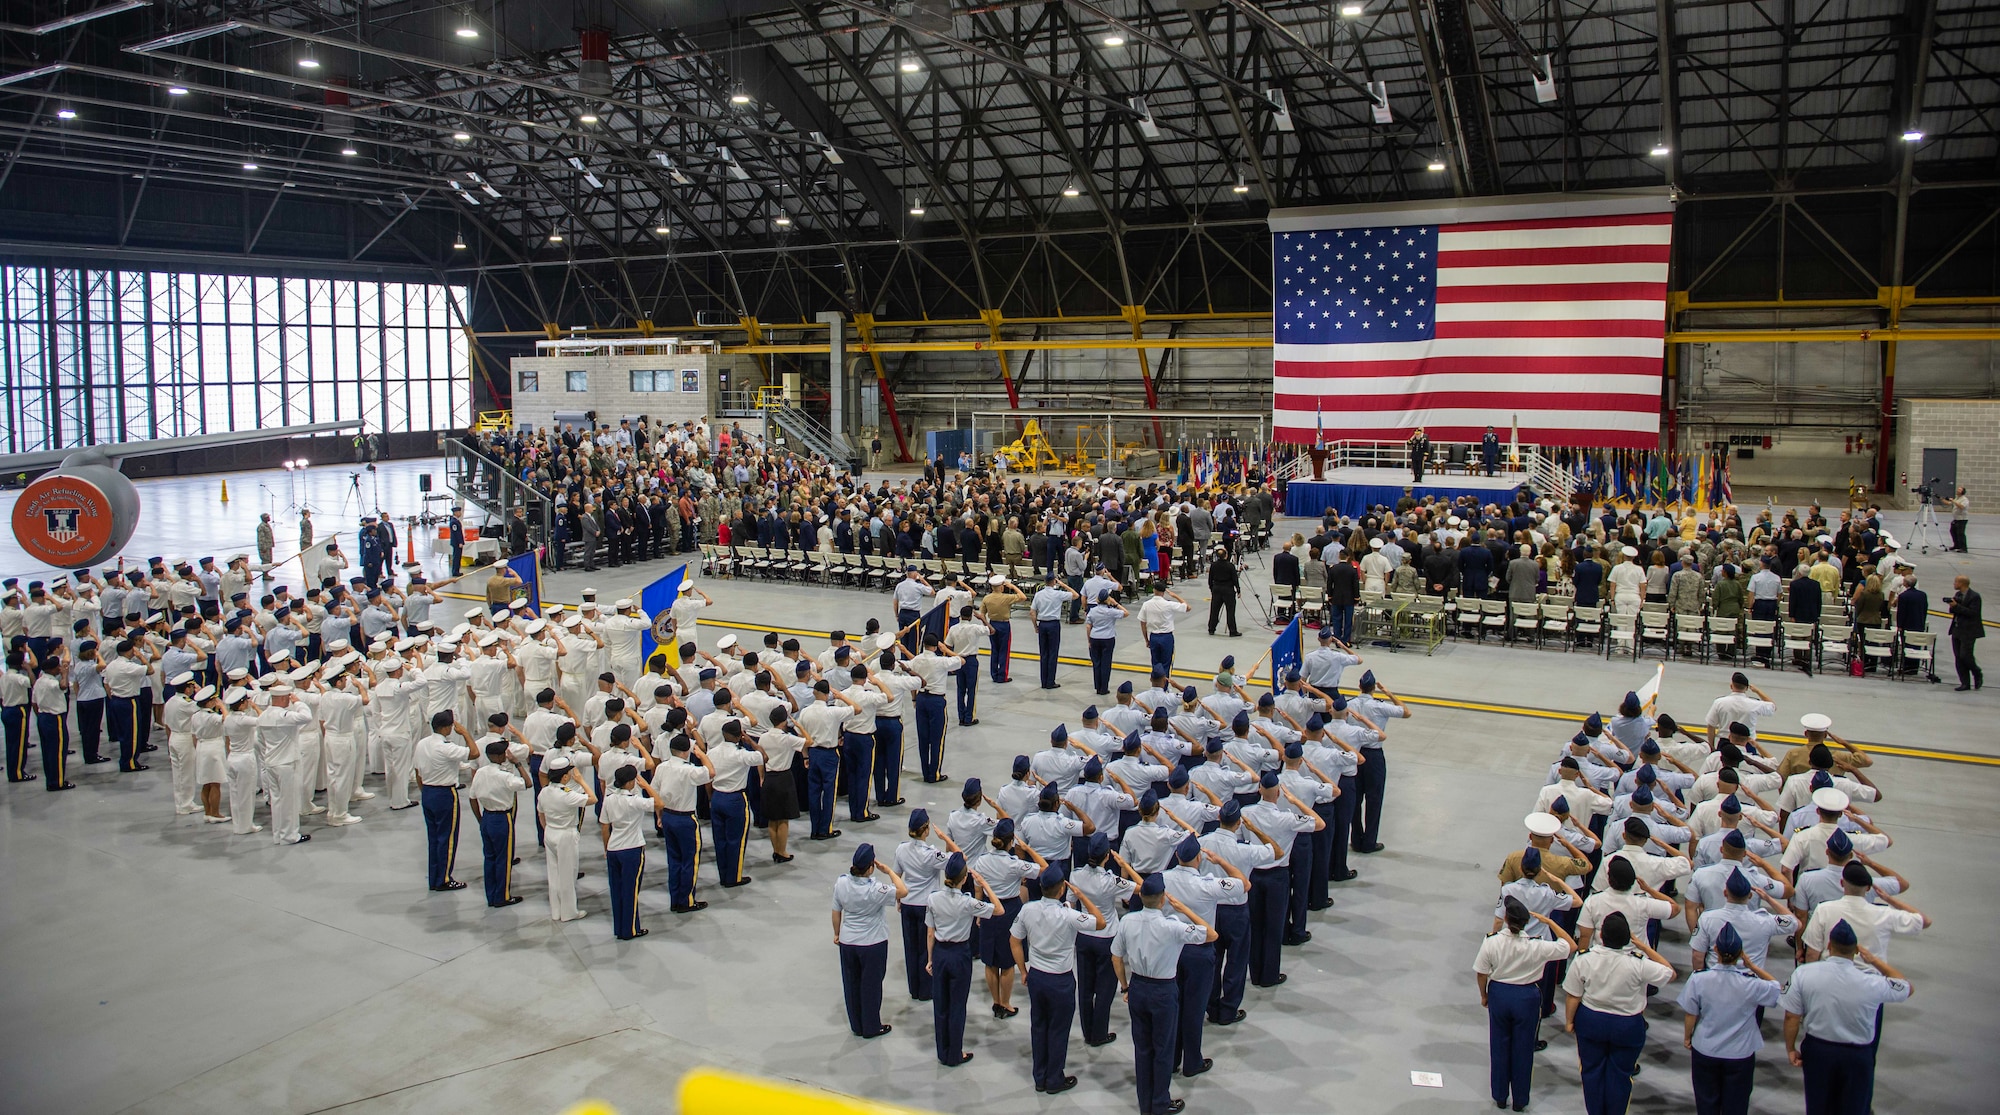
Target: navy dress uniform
point(678, 782)
point(1723, 1003)
point(922, 867)
point(933, 668)
point(729, 807)
point(1046, 932)
point(1194, 977)
point(52, 723)
point(1096, 982)
point(861, 930)
point(949, 918)
point(910, 593)
point(16, 691)
point(493, 792)
point(1834, 1006)
point(1146, 951)
point(437, 762)
point(1606, 985)
point(1047, 608)
point(621, 818)
point(1512, 963)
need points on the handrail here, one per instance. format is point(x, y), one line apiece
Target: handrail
point(488, 483)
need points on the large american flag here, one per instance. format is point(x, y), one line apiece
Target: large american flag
point(1455, 317)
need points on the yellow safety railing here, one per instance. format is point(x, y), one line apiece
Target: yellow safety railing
point(491, 420)
point(771, 398)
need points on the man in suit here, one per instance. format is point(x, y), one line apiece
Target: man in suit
point(1968, 626)
point(1343, 592)
point(1285, 567)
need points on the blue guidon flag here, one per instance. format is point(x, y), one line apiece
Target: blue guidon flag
point(1453, 316)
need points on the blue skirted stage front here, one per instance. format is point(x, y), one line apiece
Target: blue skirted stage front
point(1352, 491)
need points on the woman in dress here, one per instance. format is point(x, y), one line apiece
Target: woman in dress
point(211, 753)
point(1003, 867)
point(239, 737)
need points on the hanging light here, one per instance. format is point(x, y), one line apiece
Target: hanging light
point(1114, 40)
point(662, 230)
point(587, 117)
point(782, 221)
point(739, 95)
point(462, 137)
point(65, 113)
point(1070, 188)
point(1241, 187)
point(1661, 151)
point(1350, 11)
point(1914, 135)
point(177, 91)
point(1435, 166)
point(249, 164)
point(458, 242)
point(349, 150)
point(307, 61)
point(465, 28)
point(910, 66)
point(555, 236)
point(917, 207)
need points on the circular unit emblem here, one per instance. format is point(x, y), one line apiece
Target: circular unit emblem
point(64, 521)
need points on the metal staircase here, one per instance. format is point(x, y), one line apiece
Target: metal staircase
point(801, 430)
point(485, 483)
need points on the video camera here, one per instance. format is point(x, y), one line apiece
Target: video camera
point(1927, 491)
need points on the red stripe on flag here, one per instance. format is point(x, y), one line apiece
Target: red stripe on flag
point(1555, 292)
point(1647, 328)
point(1530, 435)
point(1518, 369)
point(1582, 402)
point(1613, 221)
point(1555, 256)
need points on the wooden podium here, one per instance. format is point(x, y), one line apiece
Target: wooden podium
point(1318, 456)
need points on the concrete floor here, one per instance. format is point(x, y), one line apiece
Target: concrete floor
point(155, 964)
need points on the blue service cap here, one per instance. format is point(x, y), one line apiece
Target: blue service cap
point(1315, 723)
point(1189, 693)
point(1642, 796)
point(1646, 775)
point(1124, 687)
point(1154, 884)
point(802, 669)
point(1560, 805)
point(1240, 722)
point(1839, 844)
point(1214, 746)
point(864, 856)
point(1731, 805)
point(1650, 747)
point(1098, 848)
point(1842, 934)
point(1326, 634)
point(954, 865)
point(1295, 751)
point(972, 787)
point(1051, 877)
point(1089, 713)
point(1060, 734)
point(1148, 801)
point(1531, 862)
point(1130, 742)
point(919, 818)
point(1228, 661)
point(1093, 767)
point(1021, 764)
point(1728, 940)
point(707, 673)
point(1736, 884)
point(1188, 850)
point(1292, 674)
point(1050, 792)
point(1177, 777)
point(1368, 681)
point(1339, 703)
point(1733, 839)
point(1268, 779)
point(1593, 724)
point(1003, 830)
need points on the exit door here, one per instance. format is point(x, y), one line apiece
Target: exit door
point(1941, 467)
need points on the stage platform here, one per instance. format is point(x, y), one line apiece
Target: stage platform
point(1353, 490)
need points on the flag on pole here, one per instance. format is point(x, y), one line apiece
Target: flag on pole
point(1285, 652)
point(933, 623)
point(1319, 423)
point(656, 601)
point(530, 571)
point(1649, 693)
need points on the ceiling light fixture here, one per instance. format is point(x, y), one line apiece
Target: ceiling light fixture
point(466, 30)
point(65, 113)
point(910, 66)
point(1350, 11)
point(1241, 187)
point(1070, 189)
point(917, 207)
point(662, 230)
point(555, 237)
point(739, 96)
point(177, 91)
point(1661, 151)
point(587, 118)
point(1435, 165)
point(462, 137)
point(1114, 40)
point(349, 150)
point(1914, 135)
point(308, 62)
point(458, 242)
point(249, 165)
point(782, 220)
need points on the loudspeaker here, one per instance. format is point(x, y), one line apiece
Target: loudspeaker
point(423, 481)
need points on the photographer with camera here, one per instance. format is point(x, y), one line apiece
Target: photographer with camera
point(1961, 510)
point(1968, 626)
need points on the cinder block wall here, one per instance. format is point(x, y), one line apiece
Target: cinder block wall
point(1971, 426)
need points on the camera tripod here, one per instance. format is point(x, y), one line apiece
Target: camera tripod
point(1924, 532)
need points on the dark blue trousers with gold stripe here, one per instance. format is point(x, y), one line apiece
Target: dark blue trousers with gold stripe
point(732, 818)
point(54, 728)
point(623, 871)
point(441, 828)
point(14, 724)
point(496, 840)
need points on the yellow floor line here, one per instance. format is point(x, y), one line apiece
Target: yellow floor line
point(1427, 702)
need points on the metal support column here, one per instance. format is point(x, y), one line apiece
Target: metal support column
point(864, 324)
point(836, 378)
point(1135, 316)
